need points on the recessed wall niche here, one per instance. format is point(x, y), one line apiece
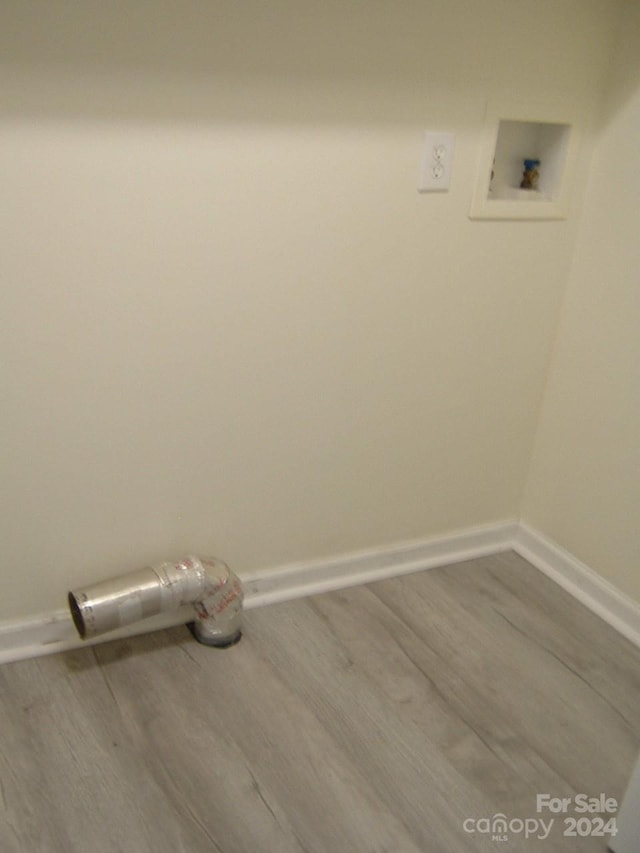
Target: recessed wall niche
point(546, 139)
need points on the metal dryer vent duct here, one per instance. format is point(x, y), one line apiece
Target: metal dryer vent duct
point(206, 583)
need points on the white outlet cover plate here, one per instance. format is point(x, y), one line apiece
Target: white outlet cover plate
point(437, 158)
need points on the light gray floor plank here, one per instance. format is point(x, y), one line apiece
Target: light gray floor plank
point(372, 719)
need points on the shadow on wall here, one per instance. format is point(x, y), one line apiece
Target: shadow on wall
point(235, 60)
point(275, 61)
point(624, 82)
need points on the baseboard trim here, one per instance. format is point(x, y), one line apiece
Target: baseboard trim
point(316, 576)
point(54, 632)
point(584, 584)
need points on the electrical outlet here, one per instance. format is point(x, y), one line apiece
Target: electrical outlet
point(435, 170)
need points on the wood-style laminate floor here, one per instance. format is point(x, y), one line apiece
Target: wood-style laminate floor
point(378, 718)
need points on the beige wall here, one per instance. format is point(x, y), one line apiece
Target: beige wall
point(584, 486)
point(231, 325)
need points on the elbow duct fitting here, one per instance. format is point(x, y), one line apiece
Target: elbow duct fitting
point(205, 583)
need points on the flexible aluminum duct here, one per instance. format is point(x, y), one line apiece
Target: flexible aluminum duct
point(208, 584)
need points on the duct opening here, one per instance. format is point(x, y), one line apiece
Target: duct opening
point(76, 615)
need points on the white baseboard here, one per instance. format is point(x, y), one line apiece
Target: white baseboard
point(358, 567)
point(54, 632)
point(587, 586)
